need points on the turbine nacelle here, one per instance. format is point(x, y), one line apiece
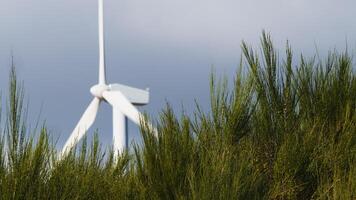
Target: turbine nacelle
point(98, 90)
point(136, 96)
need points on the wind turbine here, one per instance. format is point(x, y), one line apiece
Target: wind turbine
point(122, 98)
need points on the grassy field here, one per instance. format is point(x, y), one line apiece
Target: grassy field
point(284, 131)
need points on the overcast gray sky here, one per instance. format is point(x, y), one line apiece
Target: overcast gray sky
point(167, 45)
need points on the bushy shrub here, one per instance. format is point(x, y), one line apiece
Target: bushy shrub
point(284, 131)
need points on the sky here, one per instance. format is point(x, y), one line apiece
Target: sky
point(169, 46)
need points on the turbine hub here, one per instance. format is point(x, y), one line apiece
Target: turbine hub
point(97, 90)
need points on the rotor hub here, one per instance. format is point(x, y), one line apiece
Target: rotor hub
point(98, 90)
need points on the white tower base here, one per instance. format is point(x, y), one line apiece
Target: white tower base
point(120, 136)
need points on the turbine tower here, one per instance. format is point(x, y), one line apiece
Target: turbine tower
point(122, 98)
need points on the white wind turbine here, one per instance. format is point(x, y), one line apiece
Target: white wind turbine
point(122, 98)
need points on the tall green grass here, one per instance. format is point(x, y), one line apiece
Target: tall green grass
point(284, 130)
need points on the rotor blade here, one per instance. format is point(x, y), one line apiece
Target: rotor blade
point(119, 101)
point(101, 42)
point(83, 125)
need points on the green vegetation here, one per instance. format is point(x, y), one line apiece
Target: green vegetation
point(284, 131)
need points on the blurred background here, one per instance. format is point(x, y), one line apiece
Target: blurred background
point(168, 46)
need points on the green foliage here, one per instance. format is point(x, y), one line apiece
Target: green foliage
point(284, 131)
